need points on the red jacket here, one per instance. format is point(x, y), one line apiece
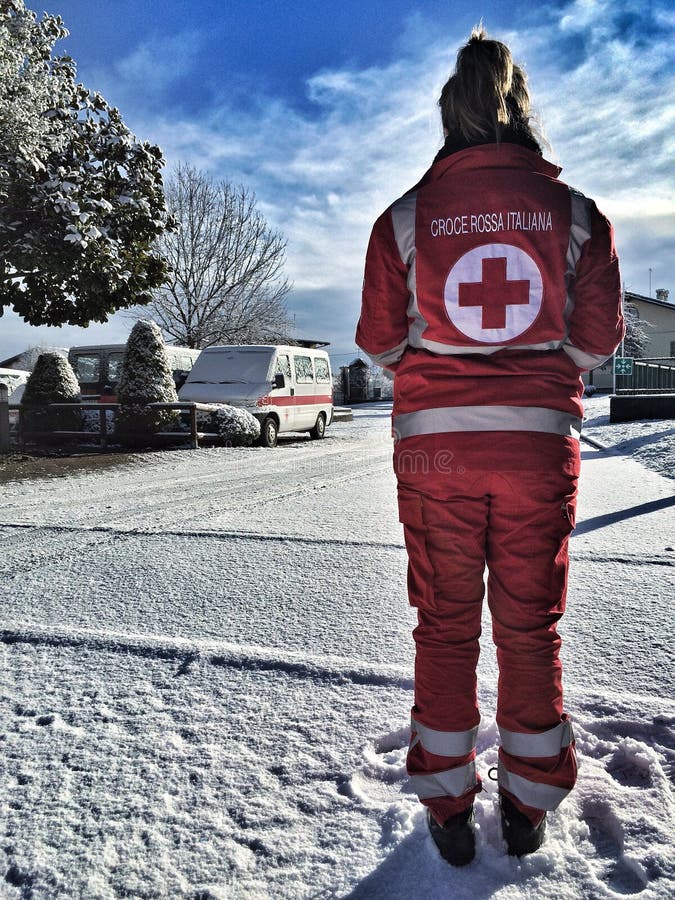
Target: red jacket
point(488, 288)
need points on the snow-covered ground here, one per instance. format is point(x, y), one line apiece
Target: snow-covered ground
point(206, 680)
point(652, 442)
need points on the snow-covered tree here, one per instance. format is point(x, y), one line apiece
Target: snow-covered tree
point(51, 381)
point(145, 378)
point(380, 383)
point(227, 284)
point(637, 340)
point(81, 199)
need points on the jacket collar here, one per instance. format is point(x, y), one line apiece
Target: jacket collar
point(490, 156)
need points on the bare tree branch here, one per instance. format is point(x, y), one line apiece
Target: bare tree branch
point(227, 283)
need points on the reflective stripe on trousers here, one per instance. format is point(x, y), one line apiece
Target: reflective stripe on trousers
point(545, 743)
point(451, 783)
point(443, 743)
point(531, 793)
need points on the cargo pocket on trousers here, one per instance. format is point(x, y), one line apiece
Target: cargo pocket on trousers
point(420, 571)
point(568, 513)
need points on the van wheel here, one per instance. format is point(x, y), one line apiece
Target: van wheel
point(319, 430)
point(268, 433)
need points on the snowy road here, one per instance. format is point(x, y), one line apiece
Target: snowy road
point(207, 663)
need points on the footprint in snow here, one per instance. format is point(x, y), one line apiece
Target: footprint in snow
point(606, 835)
point(630, 768)
point(380, 780)
point(393, 740)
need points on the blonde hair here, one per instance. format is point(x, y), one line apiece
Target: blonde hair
point(486, 93)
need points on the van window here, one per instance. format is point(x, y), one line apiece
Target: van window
point(236, 366)
point(283, 365)
point(304, 373)
point(115, 366)
point(322, 370)
point(88, 368)
point(179, 359)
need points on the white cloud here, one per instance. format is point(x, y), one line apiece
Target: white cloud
point(144, 78)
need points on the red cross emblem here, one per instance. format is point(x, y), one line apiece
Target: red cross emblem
point(493, 293)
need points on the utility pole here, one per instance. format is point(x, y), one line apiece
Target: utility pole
point(650, 284)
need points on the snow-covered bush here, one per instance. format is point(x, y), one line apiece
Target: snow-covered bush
point(146, 377)
point(235, 427)
point(51, 381)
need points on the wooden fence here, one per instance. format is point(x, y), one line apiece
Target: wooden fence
point(102, 433)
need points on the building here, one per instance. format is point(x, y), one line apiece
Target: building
point(658, 316)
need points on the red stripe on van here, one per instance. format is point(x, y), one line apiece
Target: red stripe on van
point(296, 400)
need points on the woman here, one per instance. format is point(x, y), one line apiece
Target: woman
point(489, 287)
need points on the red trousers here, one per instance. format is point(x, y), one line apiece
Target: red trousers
point(505, 501)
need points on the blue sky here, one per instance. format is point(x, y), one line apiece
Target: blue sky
point(328, 111)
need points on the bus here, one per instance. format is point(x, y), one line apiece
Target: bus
point(97, 368)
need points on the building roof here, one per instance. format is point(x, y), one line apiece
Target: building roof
point(631, 297)
point(9, 363)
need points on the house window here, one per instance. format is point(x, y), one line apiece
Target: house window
point(672, 349)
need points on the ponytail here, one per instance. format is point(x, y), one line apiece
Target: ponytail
point(486, 94)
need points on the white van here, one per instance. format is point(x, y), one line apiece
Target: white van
point(14, 379)
point(98, 367)
point(285, 388)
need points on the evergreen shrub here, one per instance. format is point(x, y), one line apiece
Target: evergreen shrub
point(145, 378)
point(51, 381)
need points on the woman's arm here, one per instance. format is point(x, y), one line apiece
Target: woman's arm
point(382, 331)
point(596, 323)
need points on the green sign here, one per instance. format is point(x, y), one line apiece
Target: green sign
point(623, 365)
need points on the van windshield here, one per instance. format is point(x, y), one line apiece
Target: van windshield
point(228, 367)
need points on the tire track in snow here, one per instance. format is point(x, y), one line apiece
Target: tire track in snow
point(216, 498)
point(150, 503)
point(103, 535)
point(186, 652)
point(102, 502)
point(215, 534)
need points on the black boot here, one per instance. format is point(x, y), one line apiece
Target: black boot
point(456, 840)
point(521, 836)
